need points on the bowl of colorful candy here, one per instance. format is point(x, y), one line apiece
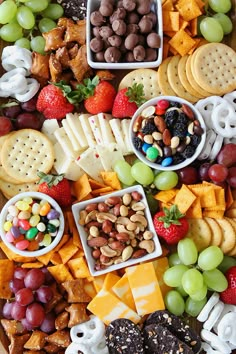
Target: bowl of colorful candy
point(167, 133)
point(31, 224)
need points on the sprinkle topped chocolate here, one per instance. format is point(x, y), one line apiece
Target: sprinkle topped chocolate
point(75, 9)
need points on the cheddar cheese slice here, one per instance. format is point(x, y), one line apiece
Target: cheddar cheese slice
point(108, 307)
point(145, 288)
point(123, 291)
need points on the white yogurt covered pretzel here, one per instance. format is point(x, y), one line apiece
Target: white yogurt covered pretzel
point(214, 315)
point(203, 315)
point(231, 98)
point(74, 348)
point(206, 106)
point(216, 147)
point(227, 308)
point(13, 81)
point(29, 92)
point(215, 341)
point(90, 332)
point(227, 328)
point(208, 349)
point(210, 139)
point(16, 57)
point(224, 120)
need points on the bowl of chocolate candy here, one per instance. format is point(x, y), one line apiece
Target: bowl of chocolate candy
point(124, 34)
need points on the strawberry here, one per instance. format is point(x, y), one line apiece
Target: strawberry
point(57, 187)
point(127, 101)
point(53, 103)
point(170, 224)
point(99, 95)
point(228, 296)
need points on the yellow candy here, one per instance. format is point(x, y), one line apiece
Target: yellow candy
point(46, 240)
point(28, 200)
point(21, 205)
point(7, 225)
point(34, 220)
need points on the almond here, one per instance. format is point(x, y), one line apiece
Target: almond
point(160, 123)
point(97, 242)
point(166, 137)
point(139, 253)
point(187, 110)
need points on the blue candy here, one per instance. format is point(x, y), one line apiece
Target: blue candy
point(145, 147)
point(167, 161)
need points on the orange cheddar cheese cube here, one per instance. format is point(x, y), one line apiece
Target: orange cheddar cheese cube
point(145, 288)
point(123, 291)
point(108, 307)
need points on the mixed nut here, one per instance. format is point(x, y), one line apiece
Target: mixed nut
point(117, 229)
point(167, 133)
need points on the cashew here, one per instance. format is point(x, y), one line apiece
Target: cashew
point(82, 217)
point(138, 206)
point(118, 260)
point(91, 216)
point(127, 253)
point(94, 231)
point(123, 220)
point(107, 251)
point(106, 216)
point(139, 219)
point(147, 245)
point(147, 235)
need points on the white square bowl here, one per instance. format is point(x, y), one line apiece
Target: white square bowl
point(93, 5)
point(76, 208)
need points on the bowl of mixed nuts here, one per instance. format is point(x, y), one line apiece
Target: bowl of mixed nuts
point(116, 230)
point(167, 133)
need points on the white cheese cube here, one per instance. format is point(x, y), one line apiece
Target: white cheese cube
point(106, 131)
point(75, 125)
point(90, 162)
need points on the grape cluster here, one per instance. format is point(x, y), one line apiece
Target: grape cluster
point(32, 291)
point(17, 116)
point(192, 274)
point(215, 24)
point(20, 19)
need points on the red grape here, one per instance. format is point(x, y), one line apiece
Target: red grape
point(35, 314)
point(44, 294)
point(34, 279)
point(20, 273)
point(28, 120)
point(29, 106)
point(24, 296)
point(227, 155)
point(203, 171)
point(16, 284)
point(48, 324)
point(231, 178)
point(26, 324)
point(218, 173)
point(12, 111)
point(5, 125)
point(48, 276)
point(18, 312)
point(6, 310)
point(188, 175)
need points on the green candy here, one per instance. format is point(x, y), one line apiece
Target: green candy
point(152, 153)
point(31, 233)
point(51, 228)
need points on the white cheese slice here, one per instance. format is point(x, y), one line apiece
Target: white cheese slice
point(91, 163)
point(75, 125)
point(109, 154)
point(125, 125)
point(87, 129)
point(65, 143)
point(107, 135)
point(76, 145)
point(118, 133)
point(48, 128)
point(65, 165)
point(95, 127)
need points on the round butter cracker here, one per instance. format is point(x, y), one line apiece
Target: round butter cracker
point(3, 173)
point(228, 241)
point(162, 78)
point(217, 234)
point(191, 79)
point(200, 232)
point(214, 68)
point(25, 153)
point(173, 78)
point(9, 190)
point(147, 77)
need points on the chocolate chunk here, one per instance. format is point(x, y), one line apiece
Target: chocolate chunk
point(124, 337)
point(177, 327)
point(75, 9)
point(112, 55)
point(159, 340)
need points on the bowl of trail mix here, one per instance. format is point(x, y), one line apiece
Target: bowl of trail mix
point(167, 133)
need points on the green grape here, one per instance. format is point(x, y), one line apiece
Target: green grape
point(38, 44)
point(227, 263)
point(53, 11)
point(8, 10)
point(123, 170)
point(174, 259)
point(23, 43)
point(46, 24)
point(199, 20)
point(211, 30)
point(11, 32)
point(166, 180)
point(215, 280)
point(174, 302)
point(199, 294)
point(192, 280)
point(187, 251)
point(193, 307)
point(225, 22)
point(142, 173)
point(37, 6)
point(220, 5)
point(173, 276)
point(181, 290)
point(25, 17)
point(210, 258)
